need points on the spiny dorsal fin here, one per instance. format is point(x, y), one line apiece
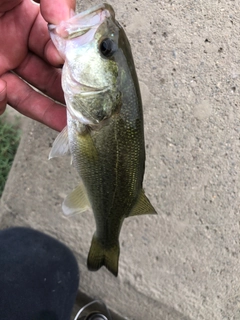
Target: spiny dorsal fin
point(142, 206)
point(76, 202)
point(60, 145)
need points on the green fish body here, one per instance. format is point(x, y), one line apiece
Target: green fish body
point(105, 132)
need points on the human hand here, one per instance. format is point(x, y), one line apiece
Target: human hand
point(27, 53)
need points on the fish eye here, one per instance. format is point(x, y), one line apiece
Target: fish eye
point(107, 47)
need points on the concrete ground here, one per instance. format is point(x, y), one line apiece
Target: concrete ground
point(185, 262)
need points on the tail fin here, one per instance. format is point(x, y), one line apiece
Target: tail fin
point(99, 256)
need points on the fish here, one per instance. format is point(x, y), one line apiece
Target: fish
point(104, 132)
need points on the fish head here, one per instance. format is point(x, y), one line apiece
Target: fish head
point(91, 44)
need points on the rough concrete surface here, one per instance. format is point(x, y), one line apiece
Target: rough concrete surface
point(183, 263)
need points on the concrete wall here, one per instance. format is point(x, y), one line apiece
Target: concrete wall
point(183, 263)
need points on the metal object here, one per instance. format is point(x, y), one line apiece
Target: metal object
point(96, 316)
point(95, 310)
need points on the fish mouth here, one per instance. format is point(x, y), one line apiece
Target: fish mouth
point(87, 90)
point(83, 22)
point(78, 88)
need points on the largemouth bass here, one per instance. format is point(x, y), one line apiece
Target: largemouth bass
point(104, 130)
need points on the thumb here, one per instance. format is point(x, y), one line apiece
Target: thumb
point(56, 11)
point(3, 96)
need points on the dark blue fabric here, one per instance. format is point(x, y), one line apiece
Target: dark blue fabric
point(39, 276)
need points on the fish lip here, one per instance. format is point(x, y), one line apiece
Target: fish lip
point(93, 90)
point(83, 22)
point(76, 87)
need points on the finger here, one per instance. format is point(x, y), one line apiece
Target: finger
point(56, 11)
point(33, 104)
point(6, 5)
point(41, 44)
point(3, 96)
point(42, 76)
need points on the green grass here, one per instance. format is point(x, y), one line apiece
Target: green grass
point(9, 140)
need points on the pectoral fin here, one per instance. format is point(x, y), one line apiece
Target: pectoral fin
point(142, 206)
point(60, 146)
point(76, 202)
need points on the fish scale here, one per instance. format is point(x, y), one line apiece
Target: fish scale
point(105, 131)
